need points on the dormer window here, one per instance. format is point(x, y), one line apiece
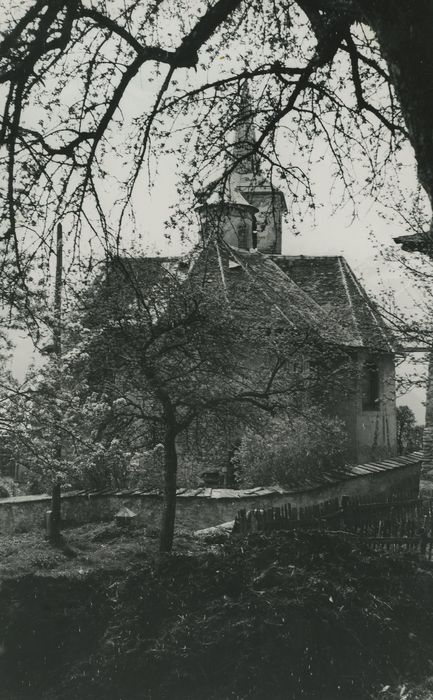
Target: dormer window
point(370, 386)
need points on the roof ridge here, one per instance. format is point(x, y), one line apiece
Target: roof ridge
point(375, 315)
point(261, 288)
point(314, 309)
point(302, 292)
point(349, 299)
point(304, 257)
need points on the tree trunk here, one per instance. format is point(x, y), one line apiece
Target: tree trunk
point(56, 515)
point(404, 30)
point(170, 484)
point(54, 532)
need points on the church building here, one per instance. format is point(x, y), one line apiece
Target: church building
point(344, 364)
point(246, 210)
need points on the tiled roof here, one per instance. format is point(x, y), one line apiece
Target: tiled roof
point(318, 293)
point(249, 280)
point(332, 284)
point(350, 471)
point(232, 195)
point(262, 276)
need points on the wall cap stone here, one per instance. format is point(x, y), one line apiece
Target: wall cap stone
point(326, 478)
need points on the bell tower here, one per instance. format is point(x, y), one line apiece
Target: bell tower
point(229, 216)
point(246, 210)
point(256, 187)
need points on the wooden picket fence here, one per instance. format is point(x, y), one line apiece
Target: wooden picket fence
point(397, 525)
point(287, 517)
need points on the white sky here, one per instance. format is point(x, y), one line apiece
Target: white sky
point(361, 241)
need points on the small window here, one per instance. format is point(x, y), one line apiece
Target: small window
point(370, 386)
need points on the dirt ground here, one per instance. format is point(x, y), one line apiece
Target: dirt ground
point(292, 616)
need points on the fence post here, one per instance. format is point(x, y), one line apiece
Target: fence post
point(422, 541)
point(344, 510)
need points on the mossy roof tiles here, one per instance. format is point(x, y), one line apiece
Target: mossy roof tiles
point(330, 281)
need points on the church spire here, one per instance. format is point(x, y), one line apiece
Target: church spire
point(255, 185)
point(244, 143)
point(245, 208)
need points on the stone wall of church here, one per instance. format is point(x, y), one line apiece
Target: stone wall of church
point(376, 430)
point(372, 434)
point(268, 220)
point(233, 223)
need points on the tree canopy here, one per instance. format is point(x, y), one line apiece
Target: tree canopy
point(200, 342)
point(352, 71)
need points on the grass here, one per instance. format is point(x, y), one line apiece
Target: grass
point(85, 549)
point(292, 616)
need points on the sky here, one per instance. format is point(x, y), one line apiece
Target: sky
point(365, 241)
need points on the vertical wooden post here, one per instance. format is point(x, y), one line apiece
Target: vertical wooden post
point(422, 542)
point(57, 331)
point(56, 516)
point(344, 511)
point(427, 463)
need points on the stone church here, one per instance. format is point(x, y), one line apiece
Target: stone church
point(247, 210)
point(353, 352)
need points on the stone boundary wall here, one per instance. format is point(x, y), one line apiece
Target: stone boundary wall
point(201, 508)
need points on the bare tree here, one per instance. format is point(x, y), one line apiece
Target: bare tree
point(353, 72)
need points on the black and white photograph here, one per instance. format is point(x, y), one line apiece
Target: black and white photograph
point(216, 350)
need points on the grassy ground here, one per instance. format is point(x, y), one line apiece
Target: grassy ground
point(289, 616)
point(85, 549)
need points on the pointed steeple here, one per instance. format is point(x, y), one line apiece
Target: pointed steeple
point(244, 141)
point(255, 186)
point(245, 208)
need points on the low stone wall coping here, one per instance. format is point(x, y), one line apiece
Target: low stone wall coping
point(327, 478)
point(25, 499)
point(206, 507)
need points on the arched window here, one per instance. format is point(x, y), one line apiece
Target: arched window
point(370, 386)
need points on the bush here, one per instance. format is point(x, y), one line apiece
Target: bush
point(291, 450)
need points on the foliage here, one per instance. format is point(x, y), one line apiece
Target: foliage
point(36, 415)
point(286, 616)
point(409, 435)
point(291, 449)
point(55, 406)
point(165, 353)
point(321, 73)
point(157, 355)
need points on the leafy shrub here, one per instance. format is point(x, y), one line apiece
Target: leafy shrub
point(291, 449)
